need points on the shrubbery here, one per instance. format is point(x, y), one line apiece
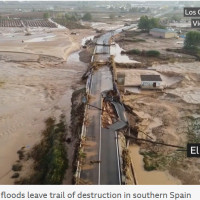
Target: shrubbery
point(134, 51)
point(50, 156)
point(150, 53)
point(87, 17)
point(146, 23)
point(71, 24)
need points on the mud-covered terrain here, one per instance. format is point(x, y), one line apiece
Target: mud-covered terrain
point(170, 115)
point(33, 87)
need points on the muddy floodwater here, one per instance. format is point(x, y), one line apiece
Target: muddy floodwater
point(149, 178)
point(30, 93)
point(116, 50)
point(75, 68)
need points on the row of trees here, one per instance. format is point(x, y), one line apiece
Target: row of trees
point(72, 17)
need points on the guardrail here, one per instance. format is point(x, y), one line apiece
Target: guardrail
point(83, 128)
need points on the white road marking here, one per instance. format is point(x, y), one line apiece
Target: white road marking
point(118, 161)
point(99, 180)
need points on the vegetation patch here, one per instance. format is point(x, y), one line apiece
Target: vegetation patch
point(133, 40)
point(195, 51)
point(146, 23)
point(77, 117)
point(69, 23)
point(150, 53)
point(133, 51)
point(153, 160)
point(50, 156)
point(126, 161)
point(191, 45)
point(193, 130)
point(1, 83)
point(17, 167)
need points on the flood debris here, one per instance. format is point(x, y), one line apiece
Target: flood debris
point(108, 114)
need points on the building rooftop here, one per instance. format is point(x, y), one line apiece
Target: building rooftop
point(162, 30)
point(150, 78)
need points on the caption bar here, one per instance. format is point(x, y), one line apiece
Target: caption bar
point(193, 12)
point(104, 192)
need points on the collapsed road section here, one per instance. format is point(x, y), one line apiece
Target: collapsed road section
point(99, 159)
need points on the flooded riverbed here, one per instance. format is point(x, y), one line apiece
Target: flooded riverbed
point(116, 50)
point(149, 178)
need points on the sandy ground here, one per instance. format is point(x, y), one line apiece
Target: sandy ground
point(34, 87)
point(189, 88)
point(153, 43)
point(54, 42)
point(164, 116)
point(132, 77)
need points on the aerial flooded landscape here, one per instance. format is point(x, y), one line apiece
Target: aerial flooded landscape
point(98, 93)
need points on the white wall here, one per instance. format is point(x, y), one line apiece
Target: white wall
point(149, 84)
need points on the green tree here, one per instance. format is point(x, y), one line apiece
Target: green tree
point(176, 18)
point(146, 23)
point(154, 23)
point(87, 16)
point(46, 15)
point(192, 39)
point(71, 17)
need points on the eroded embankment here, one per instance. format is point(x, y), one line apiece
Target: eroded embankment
point(77, 120)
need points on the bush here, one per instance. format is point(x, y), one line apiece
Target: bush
point(153, 53)
point(69, 24)
point(149, 165)
point(17, 167)
point(15, 175)
point(146, 23)
point(87, 17)
point(134, 51)
point(192, 39)
point(50, 155)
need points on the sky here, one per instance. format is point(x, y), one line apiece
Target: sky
point(97, 0)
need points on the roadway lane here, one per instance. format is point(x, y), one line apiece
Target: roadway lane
point(102, 49)
point(101, 80)
point(109, 168)
point(90, 172)
point(101, 146)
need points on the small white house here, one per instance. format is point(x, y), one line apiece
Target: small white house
point(150, 81)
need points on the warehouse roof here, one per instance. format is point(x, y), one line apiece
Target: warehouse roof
point(150, 78)
point(162, 30)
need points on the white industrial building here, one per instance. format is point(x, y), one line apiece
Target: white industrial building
point(163, 33)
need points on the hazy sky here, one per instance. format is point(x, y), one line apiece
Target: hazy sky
point(98, 0)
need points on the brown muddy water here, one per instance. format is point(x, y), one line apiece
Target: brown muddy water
point(115, 50)
point(149, 178)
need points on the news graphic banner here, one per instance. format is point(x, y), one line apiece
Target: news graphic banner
point(193, 12)
point(77, 192)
